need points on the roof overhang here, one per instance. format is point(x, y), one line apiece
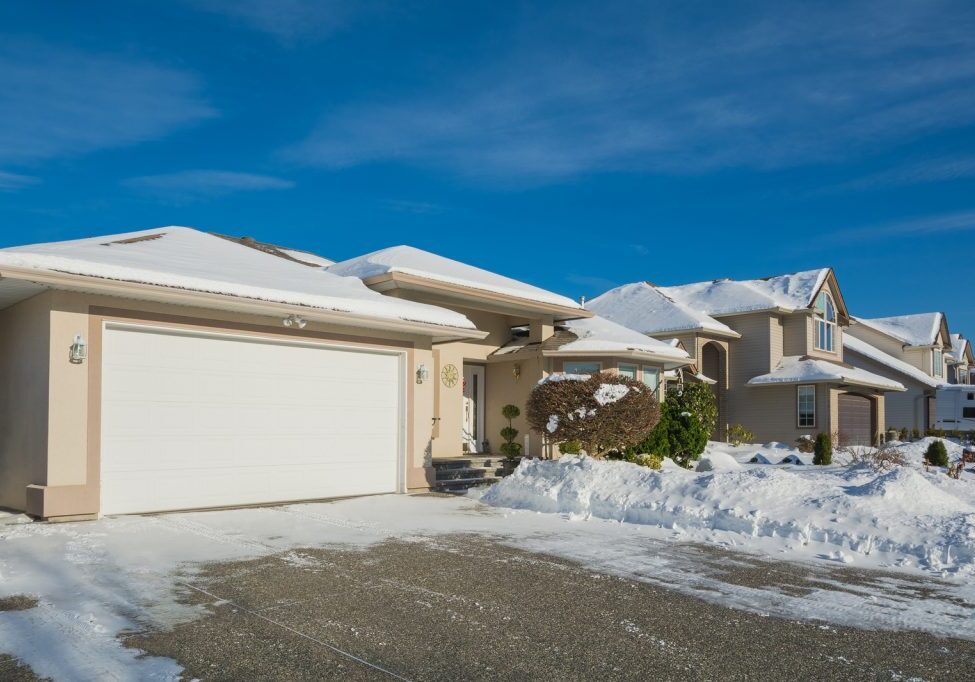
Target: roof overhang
point(187, 297)
point(839, 381)
point(704, 331)
point(668, 361)
point(471, 297)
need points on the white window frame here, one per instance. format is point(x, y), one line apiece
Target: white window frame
point(569, 363)
point(937, 362)
point(828, 326)
point(799, 423)
point(656, 372)
point(626, 367)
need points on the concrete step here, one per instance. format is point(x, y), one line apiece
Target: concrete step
point(465, 473)
point(462, 485)
point(468, 462)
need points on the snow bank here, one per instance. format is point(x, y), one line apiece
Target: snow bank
point(909, 517)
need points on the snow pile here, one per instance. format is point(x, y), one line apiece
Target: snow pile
point(607, 394)
point(562, 376)
point(553, 423)
point(184, 258)
point(902, 517)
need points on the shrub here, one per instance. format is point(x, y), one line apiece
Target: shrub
point(509, 448)
point(915, 434)
point(738, 434)
point(805, 443)
point(823, 449)
point(903, 435)
point(881, 458)
point(604, 412)
point(646, 460)
point(937, 454)
point(687, 418)
point(570, 447)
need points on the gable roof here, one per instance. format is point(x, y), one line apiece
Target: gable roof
point(921, 329)
point(644, 307)
point(191, 260)
point(851, 343)
point(597, 336)
point(430, 266)
point(790, 292)
point(961, 350)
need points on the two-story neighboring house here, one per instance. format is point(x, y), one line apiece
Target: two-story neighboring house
point(961, 360)
point(775, 347)
point(912, 349)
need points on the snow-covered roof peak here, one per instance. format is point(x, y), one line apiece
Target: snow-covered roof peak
point(600, 334)
point(920, 329)
point(413, 261)
point(795, 369)
point(793, 291)
point(186, 258)
point(644, 307)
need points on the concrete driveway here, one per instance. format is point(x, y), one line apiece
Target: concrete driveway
point(438, 589)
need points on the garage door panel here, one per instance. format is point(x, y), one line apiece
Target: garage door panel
point(196, 421)
point(855, 419)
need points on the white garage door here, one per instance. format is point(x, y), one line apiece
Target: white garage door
point(192, 420)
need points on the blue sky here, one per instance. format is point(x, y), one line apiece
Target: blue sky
point(574, 146)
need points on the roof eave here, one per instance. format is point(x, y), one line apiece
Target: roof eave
point(202, 299)
point(669, 361)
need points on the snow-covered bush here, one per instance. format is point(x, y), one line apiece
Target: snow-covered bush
point(687, 418)
point(823, 449)
point(604, 412)
point(937, 454)
point(738, 434)
point(805, 443)
point(882, 458)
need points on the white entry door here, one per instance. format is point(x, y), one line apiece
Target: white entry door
point(473, 408)
point(204, 420)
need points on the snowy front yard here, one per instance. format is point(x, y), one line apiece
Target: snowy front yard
point(904, 517)
point(94, 582)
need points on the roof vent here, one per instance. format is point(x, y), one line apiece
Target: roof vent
point(136, 240)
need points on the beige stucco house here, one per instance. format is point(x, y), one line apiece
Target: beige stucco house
point(172, 369)
point(912, 349)
point(961, 360)
point(774, 346)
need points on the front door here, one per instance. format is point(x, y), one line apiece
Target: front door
point(472, 421)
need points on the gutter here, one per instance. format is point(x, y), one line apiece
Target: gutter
point(203, 299)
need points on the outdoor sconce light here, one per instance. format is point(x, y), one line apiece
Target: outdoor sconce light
point(78, 352)
point(516, 371)
point(422, 373)
point(294, 321)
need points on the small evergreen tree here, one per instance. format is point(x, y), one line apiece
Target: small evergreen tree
point(903, 435)
point(509, 448)
point(915, 434)
point(738, 434)
point(937, 454)
point(823, 450)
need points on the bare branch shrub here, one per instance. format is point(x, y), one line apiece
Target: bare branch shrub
point(881, 458)
point(605, 412)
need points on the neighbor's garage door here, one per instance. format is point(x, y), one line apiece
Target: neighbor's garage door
point(193, 420)
point(856, 419)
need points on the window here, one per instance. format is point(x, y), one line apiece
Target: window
point(937, 363)
point(968, 412)
point(582, 367)
point(825, 322)
point(807, 407)
point(970, 396)
point(628, 371)
point(651, 377)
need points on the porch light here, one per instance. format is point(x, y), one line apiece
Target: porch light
point(516, 371)
point(294, 321)
point(422, 373)
point(78, 352)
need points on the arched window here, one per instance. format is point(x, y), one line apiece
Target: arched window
point(825, 322)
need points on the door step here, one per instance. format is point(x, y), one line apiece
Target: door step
point(459, 474)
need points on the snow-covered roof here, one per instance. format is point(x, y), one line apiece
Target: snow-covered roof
point(794, 291)
point(597, 334)
point(959, 349)
point(647, 309)
point(921, 329)
point(308, 257)
point(184, 258)
point(796, 369)
point(412, 261)
point(872, 352)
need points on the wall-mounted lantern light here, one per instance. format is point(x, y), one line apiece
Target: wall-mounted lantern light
point(294, 321)
point(422, 373)
point(516, 371)
point(78, 352)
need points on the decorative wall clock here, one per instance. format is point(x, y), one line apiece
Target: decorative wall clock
point(449, 376)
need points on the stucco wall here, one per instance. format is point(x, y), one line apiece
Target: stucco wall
point(24, 390)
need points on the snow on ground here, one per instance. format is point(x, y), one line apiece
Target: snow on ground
point(96, 580)
point(905, 517)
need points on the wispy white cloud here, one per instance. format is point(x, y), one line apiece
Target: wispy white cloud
point(767, 86)
point(56, 101)
point(200, 184)
point(287, 20)
point(961, 221)
point(12, 181)
point(920, 172)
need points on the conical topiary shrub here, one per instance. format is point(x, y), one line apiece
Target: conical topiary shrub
point(937, 454)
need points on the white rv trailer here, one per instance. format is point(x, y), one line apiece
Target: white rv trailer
point(955, 407)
